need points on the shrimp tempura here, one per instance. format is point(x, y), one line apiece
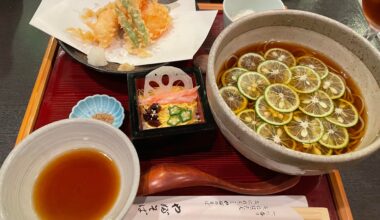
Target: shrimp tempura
point(106, 26)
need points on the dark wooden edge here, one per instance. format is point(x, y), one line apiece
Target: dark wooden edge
point(33, 107)
point(339, 194)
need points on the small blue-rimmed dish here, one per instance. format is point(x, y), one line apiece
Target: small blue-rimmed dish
point(101, 107)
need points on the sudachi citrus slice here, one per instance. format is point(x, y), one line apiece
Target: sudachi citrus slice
point(334, 136)
point(276, 134)
point(252, 84)
point(282, 98)
point(275, 71)
point(233, 98)
point(304, 79)
point(268, 114)
point(281, 55)
point(315, 64)
point(250, 61)
point(333, 85)
point(230, 76)
point(344, 114)
point(250, 118)
point(304, 128)
point(316, 104)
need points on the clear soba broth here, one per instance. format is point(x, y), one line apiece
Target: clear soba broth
point(284, 101)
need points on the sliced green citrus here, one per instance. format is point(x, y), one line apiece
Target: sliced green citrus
point(250, 118)
point(334, 137)
point(233, 98)
point(316, 104)
point(252, 84)
point(333, 85)
point(268, 114)
point(304, 79)
point(318, 149)
point(230, 76)
point(276, 134)
point(345, 114)
point(250, 61)
point(315, 64)
point(281, 55)
point(281, 97)
point(275, 71)
point(304, 128)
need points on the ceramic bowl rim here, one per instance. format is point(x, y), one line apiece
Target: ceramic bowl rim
point(355, 155)
point(37, 133)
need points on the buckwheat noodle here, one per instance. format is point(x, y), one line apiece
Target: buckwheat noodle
point(231, 61)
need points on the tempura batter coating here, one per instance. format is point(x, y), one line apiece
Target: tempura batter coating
point(147, 19)
point(156, 18)
point(106, 26)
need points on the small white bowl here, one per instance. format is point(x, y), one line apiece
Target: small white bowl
point(25, 162)
point(337, 42)
point(235, 9)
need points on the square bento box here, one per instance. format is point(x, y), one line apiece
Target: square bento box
point(172, 138)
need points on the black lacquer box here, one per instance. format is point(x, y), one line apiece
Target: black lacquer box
point(176, 139)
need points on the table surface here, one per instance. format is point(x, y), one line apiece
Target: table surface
point(23, 47)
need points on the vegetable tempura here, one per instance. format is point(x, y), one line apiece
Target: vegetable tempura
point(138, 22)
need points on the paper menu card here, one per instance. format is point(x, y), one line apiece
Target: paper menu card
point(216, 208)
point(189, 30)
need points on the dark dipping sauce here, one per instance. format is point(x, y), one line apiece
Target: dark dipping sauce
point(79, 184)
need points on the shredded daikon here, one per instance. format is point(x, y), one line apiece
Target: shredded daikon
point(97, 57)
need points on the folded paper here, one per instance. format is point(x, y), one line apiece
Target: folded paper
point(188, 31)
point(216, 207)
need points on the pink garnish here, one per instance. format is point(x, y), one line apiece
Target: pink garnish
point(182, 96)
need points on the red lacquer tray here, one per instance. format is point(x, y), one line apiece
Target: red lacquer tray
point(62, 82)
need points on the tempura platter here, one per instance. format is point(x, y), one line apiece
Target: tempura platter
point(181, 41)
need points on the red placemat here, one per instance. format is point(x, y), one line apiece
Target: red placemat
point(70, 82)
